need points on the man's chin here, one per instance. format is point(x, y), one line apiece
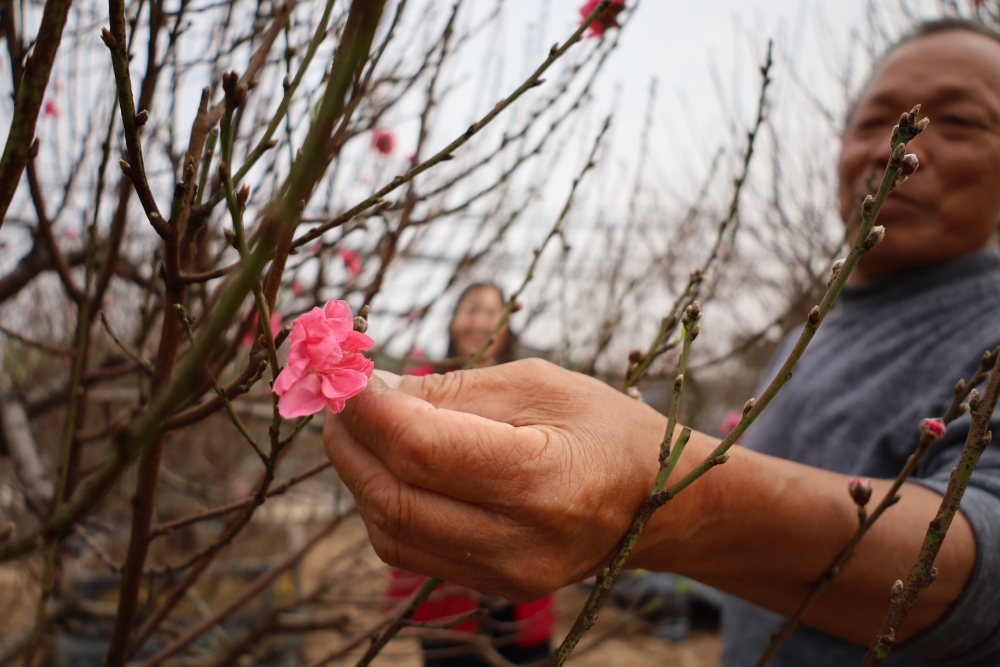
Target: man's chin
point(894, 257)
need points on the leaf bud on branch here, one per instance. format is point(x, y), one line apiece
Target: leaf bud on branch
point(242, 195)
point(974, 399)
point(875, 237)
point(748, 406)
point(361, 319)
point(813, 316)
point(691, 315)
point(897, 589)
point(835, 271)
point(109, 39)
point(141, 118)
point(897, 154)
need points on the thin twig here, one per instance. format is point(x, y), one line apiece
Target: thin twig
point(170, 526)
point(46, 347)
point(181, 313)
point(690, 292)
point(139, 360)
point(557, 230)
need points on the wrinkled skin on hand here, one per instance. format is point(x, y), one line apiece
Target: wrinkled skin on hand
point(516, 479)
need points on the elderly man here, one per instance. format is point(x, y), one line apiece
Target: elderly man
point(522, 478)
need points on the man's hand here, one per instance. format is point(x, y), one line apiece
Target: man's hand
point(516, 480)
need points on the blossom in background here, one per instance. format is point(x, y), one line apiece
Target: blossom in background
point(325, 364)
point(729, 422)
point(351, 261)
point(296, 289)
point(275, 325)
point(50, 109)
point(606, 19)
point(383, 141)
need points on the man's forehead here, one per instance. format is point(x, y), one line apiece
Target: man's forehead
point(946, 67)
point(930, 93)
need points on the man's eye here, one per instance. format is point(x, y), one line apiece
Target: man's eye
point(960, 121)
point(871, 123)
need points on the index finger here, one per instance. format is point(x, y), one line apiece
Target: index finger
point(458, 454)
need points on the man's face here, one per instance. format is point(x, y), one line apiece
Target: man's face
point(951, 205)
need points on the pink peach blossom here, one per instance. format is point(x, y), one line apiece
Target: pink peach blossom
point(50, 109)
point(606, 19)
point(729, 422)
point(383, 141)
point(325, 364)
point(275, 325)
point(351, 261)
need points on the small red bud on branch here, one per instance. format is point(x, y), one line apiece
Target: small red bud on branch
point(933, 427)
point(910, 163)
point(860, 489)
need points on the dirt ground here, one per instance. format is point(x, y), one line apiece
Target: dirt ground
point(618, 638)
point(356, 580)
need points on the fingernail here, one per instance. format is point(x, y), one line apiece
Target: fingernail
point(390, 379)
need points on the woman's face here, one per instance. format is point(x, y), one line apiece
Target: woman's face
point(476, 316)
point(951, 205)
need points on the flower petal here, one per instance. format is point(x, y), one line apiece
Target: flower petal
point(356, 342)
point(289, 375)
point(303, 398)
point(343, 384)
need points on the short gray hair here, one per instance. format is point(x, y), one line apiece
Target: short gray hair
point(925, 29)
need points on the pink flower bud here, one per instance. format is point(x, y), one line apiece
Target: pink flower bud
point(909, 164)
point(932, 426)
point(351, 261)
point(606, 19)
point(383, 141)
point(860, 489)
